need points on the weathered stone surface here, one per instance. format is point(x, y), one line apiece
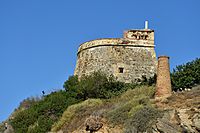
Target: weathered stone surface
point(196, 121)
point(178, 120)
point(168, 123)
point(127, 58)
point(9, 129)
point(166, 127)
point(93, 124)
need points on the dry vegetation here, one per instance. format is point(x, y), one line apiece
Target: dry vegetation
point(184, 99)
point(134, 110)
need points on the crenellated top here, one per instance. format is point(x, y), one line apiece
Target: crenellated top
point(132, 38)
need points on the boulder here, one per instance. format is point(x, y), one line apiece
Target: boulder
point(167, 127)
point(93, 123)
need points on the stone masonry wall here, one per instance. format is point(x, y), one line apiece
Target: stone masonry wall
point(127, 59)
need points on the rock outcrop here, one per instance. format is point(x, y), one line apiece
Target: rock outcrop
point(93, 123)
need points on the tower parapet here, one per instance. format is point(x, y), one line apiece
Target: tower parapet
point(145, 36)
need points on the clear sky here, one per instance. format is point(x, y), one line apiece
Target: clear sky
point(39, 38)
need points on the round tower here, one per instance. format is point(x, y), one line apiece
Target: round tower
point(129, 58)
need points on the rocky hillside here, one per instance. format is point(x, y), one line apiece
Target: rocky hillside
point(133, 111)
point(182, 112)
point(178, 113)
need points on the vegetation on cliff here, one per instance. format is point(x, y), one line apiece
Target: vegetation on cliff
point(96, 85)
point(124, 110)
point(39, 115)
point(186, 75)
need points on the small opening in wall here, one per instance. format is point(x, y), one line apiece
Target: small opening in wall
point(121, 70)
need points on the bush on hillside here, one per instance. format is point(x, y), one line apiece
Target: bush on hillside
point(128, 104)
point(41, 115)
point(23, 119)
point(123, 111)
point(142, 120)
point(2, 127)
point(26, 103)
point(186, 75)
point(71, 86)
point(96, 85)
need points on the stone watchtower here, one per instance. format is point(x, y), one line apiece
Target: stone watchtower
point(128, 58)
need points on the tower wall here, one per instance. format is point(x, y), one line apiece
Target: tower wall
point(128, 58)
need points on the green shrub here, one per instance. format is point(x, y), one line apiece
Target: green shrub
point(40, 116)
point(148, 81)
point(186, 75)
point(71, 86)
point(23, 119)
point(139, 91)
point(119, 114)
point(2, 127)
point(142, 120)
point(124, 110)
point(96, 85)
point(42, 125)
point(126, 105)
point(30, 101)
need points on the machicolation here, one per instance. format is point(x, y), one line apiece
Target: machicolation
point(129, 58)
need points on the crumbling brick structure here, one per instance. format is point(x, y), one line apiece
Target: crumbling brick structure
point(163, 84)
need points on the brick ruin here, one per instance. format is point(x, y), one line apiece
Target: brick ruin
point(163, 83)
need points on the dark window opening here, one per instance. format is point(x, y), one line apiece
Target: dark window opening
point(121, 70)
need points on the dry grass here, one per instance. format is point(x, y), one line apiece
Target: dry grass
point(182, 100)
point(134, 93)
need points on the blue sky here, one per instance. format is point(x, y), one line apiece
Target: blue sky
point(39, 38)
